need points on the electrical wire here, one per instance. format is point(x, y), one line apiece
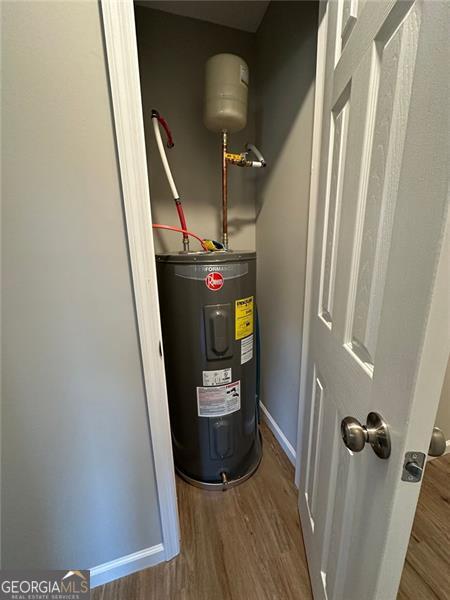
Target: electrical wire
point(183, 231)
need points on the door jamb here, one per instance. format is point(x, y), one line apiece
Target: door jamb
point(122, 59)
point(313, 201)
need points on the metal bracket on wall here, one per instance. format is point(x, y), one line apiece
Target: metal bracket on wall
point(413, 466)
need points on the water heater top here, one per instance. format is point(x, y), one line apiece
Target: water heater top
point(206, 257)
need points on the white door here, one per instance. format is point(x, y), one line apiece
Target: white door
point(379, 330)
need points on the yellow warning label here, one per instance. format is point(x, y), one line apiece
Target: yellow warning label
point(244, 317)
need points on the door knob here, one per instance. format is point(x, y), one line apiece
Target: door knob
point(376, 433)
point(437, 443)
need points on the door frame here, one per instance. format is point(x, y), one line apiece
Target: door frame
point(123, 66)
point(322, 29)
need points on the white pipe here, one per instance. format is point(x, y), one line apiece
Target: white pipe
point(164, 160)
point(257, 153)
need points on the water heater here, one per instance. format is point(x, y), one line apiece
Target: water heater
point(208, 314)
point(208, 322)
point(226, 92)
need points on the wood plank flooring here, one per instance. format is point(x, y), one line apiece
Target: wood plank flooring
point(426, 574)
point(246, 544)
point(243, 544)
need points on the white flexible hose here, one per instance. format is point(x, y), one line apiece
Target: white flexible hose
point(257, 153)
point(164, 160)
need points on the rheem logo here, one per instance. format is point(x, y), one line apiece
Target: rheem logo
point(214, 281)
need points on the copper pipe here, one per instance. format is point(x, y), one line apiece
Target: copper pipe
point(224, 190)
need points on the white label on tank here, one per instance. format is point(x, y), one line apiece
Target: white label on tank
point(244, 75)
point(246, 349)
point(217, 377)
point(220, 400)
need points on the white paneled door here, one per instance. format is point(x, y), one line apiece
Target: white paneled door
point(379, 327)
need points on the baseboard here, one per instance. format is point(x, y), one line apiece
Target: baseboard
point(127, 564)
point(279, 435)
point(447, 451)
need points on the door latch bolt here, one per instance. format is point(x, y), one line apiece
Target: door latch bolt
point(413, 466)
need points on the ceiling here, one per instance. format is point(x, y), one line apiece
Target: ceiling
point(240, 14)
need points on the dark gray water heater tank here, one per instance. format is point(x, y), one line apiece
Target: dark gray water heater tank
point(207, 303)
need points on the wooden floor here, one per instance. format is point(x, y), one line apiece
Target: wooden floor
point(246, 544)
point(426, 574)
point(243, 544)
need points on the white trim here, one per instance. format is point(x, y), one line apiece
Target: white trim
point(279, 435)
point(122, 59)
point(313, 201)
point(447, 451)
point(126, 565)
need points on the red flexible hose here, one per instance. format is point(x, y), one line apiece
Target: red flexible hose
point(165, 125)
point(184, 231)
point(181, 216)
point(170, 142)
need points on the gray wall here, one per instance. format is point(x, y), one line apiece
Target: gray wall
point(172, 54)
point(78, 483)
point(281, 56)
point(286, 72)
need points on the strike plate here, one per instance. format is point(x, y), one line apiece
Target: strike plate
point(413, 466)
